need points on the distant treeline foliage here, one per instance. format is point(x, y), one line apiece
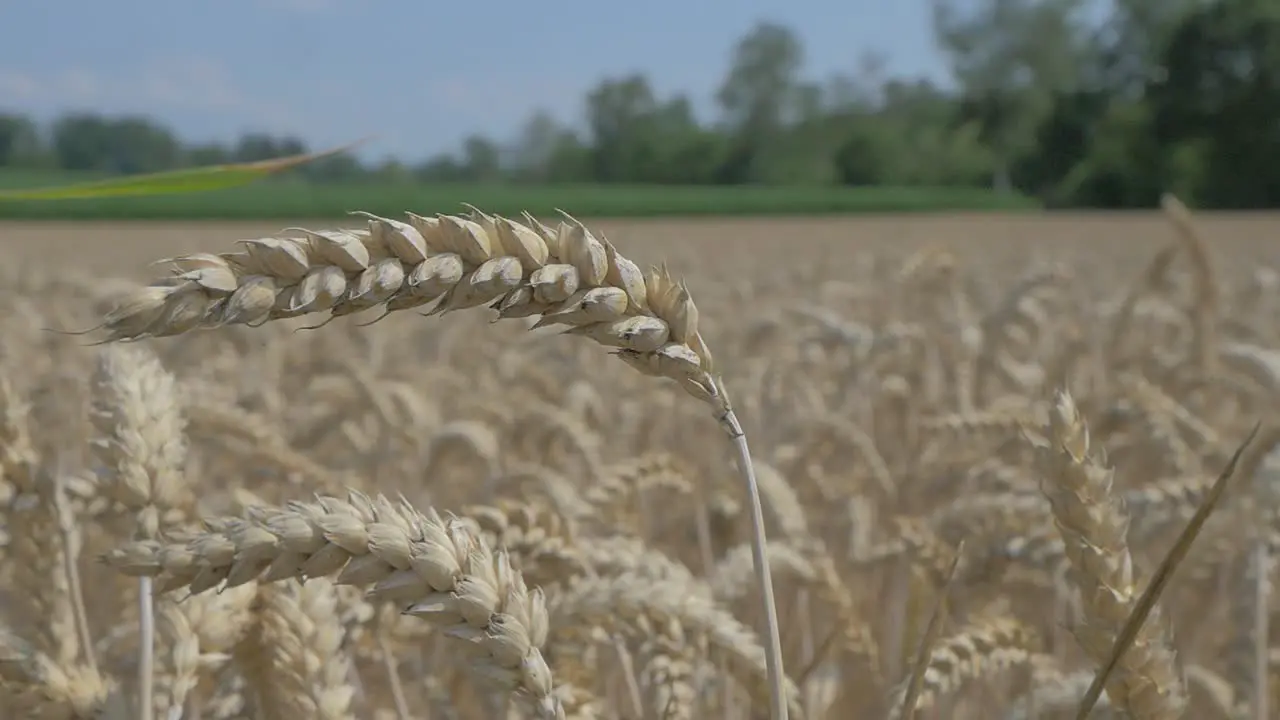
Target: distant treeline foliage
point(1049, 100)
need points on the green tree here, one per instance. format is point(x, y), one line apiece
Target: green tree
point(208, 154)
point(634, 136)
point(81, 142)
point(674, 148)
point(1130, 45)
point(84, 141)
point(758, 97)
point(341, 168)
point(538, 146)
point(255, 146)
point(481, 159)
point(442, 168)
point(1095, 148)
point(1215, 109)
point(914, 135)
point(139, 145)
point(391, 171)
point(1097, 151)
point(1012, 58)
point(19, 141)
point(619, 125)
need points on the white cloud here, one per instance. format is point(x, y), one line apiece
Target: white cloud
point(17, 85)
point(181, 84)
point(475, 98)
point(300, 6)
point(190, 83)
point(79, 86)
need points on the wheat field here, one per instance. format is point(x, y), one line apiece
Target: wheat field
point(976, 441)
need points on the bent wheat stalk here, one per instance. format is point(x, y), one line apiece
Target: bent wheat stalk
point(564, 275)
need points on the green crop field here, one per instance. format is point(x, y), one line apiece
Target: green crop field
point(277, 198)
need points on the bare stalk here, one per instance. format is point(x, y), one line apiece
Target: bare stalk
point(773, 641)
point(1261, 618)
point(146, 648)
point(392, 669)
point(70, 567)
point(915, 682)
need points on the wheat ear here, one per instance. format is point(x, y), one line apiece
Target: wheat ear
point(565, 275)
point(142, 444)
point(438, 569)
point(1205, 304)
point(33, 684)
point(1093, 523)
point(35, 518)
point(989, 645)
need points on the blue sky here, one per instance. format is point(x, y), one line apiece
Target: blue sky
point(420, 75)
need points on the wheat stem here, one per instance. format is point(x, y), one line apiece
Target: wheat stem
point(1261, 618)
point(906, 710)
point(146, 648)
point(70, 567)
point(773, 641)
point(392, 669)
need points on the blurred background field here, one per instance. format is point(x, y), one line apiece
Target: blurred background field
point(1109, 248)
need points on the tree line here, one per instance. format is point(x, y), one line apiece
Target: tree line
point(1049, 99)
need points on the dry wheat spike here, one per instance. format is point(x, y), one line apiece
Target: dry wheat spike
point(565, 275)
point(1148, 682)
point(437, 568)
